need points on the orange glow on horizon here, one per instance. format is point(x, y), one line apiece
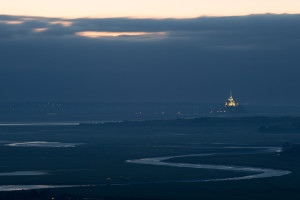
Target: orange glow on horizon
point(98, 34)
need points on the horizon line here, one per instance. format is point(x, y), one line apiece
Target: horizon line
point(148, 17)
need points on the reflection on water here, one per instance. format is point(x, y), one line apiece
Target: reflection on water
point(43, 124)
point(43, 144)
point(258, 172)
point(23, 173)
point(33, 187)
point(162, 161)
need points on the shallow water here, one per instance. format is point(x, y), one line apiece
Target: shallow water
point(43, 124)
point(4, 188)
point(257, 172)
point(162, 161)
point(42, 144)
point(23, 173)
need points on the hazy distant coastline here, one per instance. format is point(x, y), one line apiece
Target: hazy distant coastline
point(94, 112)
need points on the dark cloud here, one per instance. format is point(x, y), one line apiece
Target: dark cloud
point(198, 60)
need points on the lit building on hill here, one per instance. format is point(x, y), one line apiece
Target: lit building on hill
point(231, 106)
point(231, 102)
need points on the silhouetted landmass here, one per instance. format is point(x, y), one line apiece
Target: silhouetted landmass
point(262, 124)
point(291, 149)
point(100, 159)
point(287, 125)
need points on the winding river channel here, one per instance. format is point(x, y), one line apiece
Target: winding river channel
point(257, 172)
point(163, 161)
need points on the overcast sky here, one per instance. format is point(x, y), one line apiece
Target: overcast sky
point(131, 59)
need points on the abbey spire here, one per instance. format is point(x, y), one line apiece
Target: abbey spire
point(231, 102)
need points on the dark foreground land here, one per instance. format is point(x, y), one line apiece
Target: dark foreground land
point(100, 159)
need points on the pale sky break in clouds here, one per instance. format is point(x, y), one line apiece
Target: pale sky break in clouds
point(146, 8)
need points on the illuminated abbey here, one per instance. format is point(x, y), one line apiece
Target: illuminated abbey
point(231, 102)
point(231, 106)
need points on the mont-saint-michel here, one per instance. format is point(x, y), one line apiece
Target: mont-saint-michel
point(231, 106)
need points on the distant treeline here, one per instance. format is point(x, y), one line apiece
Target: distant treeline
point(292, 126)
point(280, 129)
point(293, 121)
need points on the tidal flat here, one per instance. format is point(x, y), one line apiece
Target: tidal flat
point(42, 144)
point(101, 161)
